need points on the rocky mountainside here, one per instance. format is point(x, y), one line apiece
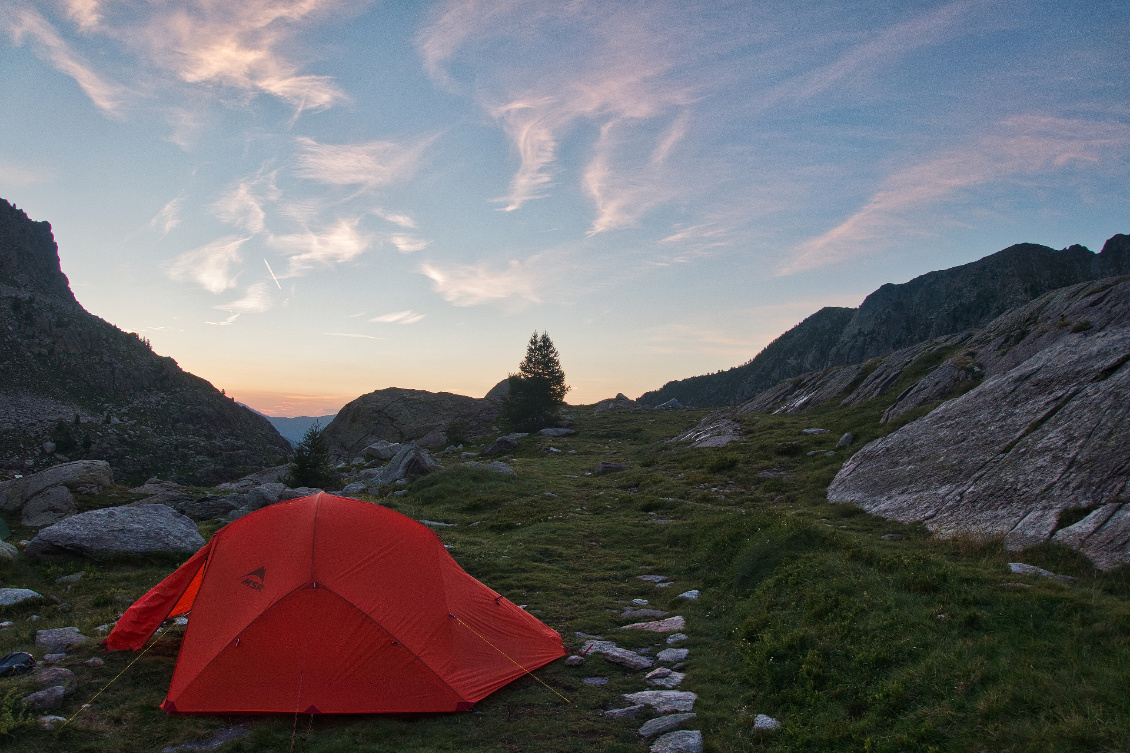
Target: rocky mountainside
point(897, 316)
point(74, 386)
point(431, 419)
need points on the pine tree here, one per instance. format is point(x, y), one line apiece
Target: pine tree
point(537, 391)
point(310, 465)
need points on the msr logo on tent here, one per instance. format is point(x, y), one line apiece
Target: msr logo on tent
point(254, 579)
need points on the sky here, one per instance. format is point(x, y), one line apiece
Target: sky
point(303, 201)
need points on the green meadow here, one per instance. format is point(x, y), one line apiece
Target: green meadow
point(858, 634)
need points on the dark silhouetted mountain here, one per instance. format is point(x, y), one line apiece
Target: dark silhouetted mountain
point(71, 379)
point(896, 316)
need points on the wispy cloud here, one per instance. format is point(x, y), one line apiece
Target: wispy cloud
point(474, 284)
point(20, 176)
point(398, 317)
point(241, 205)
point(25, 22)
point(1019, 147)
point(352, 334)
point(210, 266)
point(85, 13)
point(407, 244)
point(402, 220)
point(374, 163)
point(337, 243)
point(169, 216)
point(256, 299)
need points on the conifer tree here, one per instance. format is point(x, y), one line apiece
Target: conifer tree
point(310, 465)
point(537, 391)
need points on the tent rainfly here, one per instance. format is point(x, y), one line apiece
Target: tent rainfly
point(326, 604)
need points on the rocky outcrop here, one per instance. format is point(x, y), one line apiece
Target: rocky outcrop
point(130, 531)
point(1046, 431)
point(90, 475)
point(893, 317)
point(401, 415)
point(713, 431)
point(93, 391)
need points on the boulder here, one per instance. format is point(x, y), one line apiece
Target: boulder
point(669, 625)
point(620, 402)
point(14, 493)
point(46, 700)
point(8, 552)
point(673, 654)
point(380, 450)
point(682, 741)
point(663, 701)
point(132, 530)
point(613, 653)
point(49, 506)
point(500, 446)
point(49, 677)
point(264, 494)
point(58, 640)
point(631, 712)
point(410, 460)
point(713, 431)
point(765, 723)
point(845, 441)
point(209, 508)
point(11, 596)
point(670, 680)
point(663, 724)
point(1058, 438)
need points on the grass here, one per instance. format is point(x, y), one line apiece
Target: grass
point(854, 641)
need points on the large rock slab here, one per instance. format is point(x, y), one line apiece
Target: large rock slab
point(713, 431)
point(613, 653)
point(14, 493)
point(1006, 458)
point(49, 506)
point(664, 701)
point(132, 530)
point(669, 625)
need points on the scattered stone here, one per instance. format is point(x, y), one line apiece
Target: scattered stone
point(664, 701)
point(662, 724)
point(222, 737)
point(93, 662)
point(891, 536)
point(48, 699)
point(71, 579)
point(8, 552)
point(671, 404)
point(500, 446)
point(681, 741)
point(692, 594)
point(676, 637)
point(595, 681)
point(58, 640)
point(357, 487)
point(557, 432)
point(609, 467)
point(673, 654)
point(497, 466)
point(54, 658)
point(1019, 568)
point(1015, 585)
point(436, 524)
point(10, 596)
point(845, 441)
point(640, 602)
point(50, 722)
point(51, 676)
point(653, 578)
point(814, 431)
point(772, 474)
point(613, 653)
point(765, 723)
point(119, 531)
point(627, 713)
point(672, 680)
point(658, 672)
point(574, 661)
point(629, 612)
point(588, 637)
point(669, 625)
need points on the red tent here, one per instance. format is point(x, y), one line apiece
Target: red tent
point(332, 605)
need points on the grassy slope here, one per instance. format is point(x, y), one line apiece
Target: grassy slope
point(853, 641)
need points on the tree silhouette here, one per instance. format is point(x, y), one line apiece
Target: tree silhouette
point(310, 465)
point(537, 391)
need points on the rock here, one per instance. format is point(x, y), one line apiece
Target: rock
point(693, 594)
point(662, 724)
point(845, 441)
point(357, 487)
point(620, 402)
point(381, 450)
point(10, 596)
point(658, 672)
point(50, 722)
point(608, 467)
point(500, 446)
point(217, 740)
point(814, 431)
point(14, 493)
point(717, 430)
point(1019, 568)
point(676, 637)
point(93, 662)
point(671, 404)
point(497, 466)
point(297, 492)
point(1058, 437)
point(8, 552)
point(48, 699)
point(682, 741)
point(398, 415)
point(653, 578)
point(54, 658)
point(673, 654)
point(58, 640)
point(595, 680)
point(574, 661)
point(669, 625)
point(52, 676)
point(672, 680)
point(632, 613)
point(119, 531)
point(640, 602)
point(48, 506)
point(263, 495)
point(765, 723)
point(557, 432)
point(209, 508)
point(613, 653)
point(70, 580)
point(627, 713)
point(664, 701)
